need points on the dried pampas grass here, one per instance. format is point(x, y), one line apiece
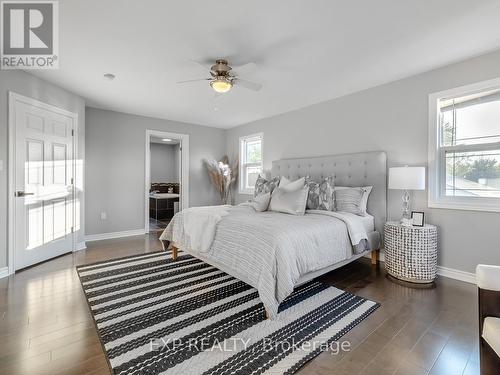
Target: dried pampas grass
point(223, 176)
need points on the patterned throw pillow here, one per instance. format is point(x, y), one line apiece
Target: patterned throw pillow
point(263, 186)
point(349, 200)
point(321, 195)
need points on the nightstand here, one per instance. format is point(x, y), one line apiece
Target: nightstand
point(411, 252)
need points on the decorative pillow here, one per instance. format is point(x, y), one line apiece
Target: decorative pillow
point(349, 200)
point(321, 195)
point(366, 195)
point(289, 202)
point(261, 202)
point(288, 185)
point(265, 186)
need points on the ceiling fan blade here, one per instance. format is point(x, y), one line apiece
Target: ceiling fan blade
point(254, 86)
point(205, 67)
point(245, 68)
point(215, 101)
point(195, 80)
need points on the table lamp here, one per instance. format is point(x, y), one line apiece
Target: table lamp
point(406, 178)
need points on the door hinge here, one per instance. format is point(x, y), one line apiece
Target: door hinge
point(72, 181)
point(72, 229)
point(72, 132)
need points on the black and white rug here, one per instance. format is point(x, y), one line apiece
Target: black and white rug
point(185, 317)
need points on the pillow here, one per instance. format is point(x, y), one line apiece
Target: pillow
point(288, 185)
point(321, 195)
point(366, 195)
point(261, 202)
point(263, 186)
point(289, 202)
point(349, 200)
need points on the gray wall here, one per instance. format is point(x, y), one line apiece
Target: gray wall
point(394, 118)
point(33, 87)
point(115, 167)
point(163, 163)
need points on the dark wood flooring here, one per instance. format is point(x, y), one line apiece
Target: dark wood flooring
point(157, 225)
point(46, 326)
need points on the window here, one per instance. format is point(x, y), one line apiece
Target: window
point(464, 148)
point(250, 162)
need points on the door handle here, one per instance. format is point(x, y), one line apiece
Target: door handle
point(22, 194)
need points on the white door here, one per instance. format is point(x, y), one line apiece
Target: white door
point(44, 168)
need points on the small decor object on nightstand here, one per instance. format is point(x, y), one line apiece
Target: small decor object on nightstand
point(411, 252)
point(417, 218)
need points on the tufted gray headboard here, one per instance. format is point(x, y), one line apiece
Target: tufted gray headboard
point(359, 169)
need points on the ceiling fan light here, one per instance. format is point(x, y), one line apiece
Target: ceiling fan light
point(221, 85)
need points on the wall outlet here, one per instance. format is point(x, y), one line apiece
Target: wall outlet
point(104, 216)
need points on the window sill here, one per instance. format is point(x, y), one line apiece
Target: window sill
point(472, 206)
point(246, 192)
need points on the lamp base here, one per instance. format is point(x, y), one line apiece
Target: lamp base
point(406, 204)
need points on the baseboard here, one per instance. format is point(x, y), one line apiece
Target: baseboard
point(107, 236)
point(80, 246)
point(4, 272)
point(451, 273)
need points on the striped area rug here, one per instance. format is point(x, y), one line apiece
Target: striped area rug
point(155, 315)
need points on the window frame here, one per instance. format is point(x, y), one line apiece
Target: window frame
point(243, 164)
point(437, 154)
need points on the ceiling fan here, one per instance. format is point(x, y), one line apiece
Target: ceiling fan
point(222, 80)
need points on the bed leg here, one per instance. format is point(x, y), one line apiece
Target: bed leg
point(174, 252)
point(375, 257)
point(266, 314)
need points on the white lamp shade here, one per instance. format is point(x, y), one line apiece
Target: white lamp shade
point(407, 178)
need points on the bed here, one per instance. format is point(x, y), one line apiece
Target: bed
point(274, 252)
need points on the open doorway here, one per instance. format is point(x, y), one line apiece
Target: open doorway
point(166, 178)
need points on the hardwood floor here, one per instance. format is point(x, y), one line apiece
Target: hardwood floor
point(157, 225)
point(46, 327)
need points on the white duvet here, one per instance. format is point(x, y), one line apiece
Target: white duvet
point(268, 250)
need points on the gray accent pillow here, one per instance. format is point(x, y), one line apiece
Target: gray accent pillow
point(349, 200)
point(289, 202)
point(321, 195)
point(261, 202)
point(263, 186)
point(366, 195)
point(288, 185)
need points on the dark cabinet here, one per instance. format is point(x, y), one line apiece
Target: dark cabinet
point(162, 208)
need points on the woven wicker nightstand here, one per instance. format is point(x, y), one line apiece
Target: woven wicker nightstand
point(411, 252)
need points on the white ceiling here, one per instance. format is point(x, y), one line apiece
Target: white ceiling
point(307, 51)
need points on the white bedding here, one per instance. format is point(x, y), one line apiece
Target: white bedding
point(195, 227)
point(270, 250)
point(368, 222)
